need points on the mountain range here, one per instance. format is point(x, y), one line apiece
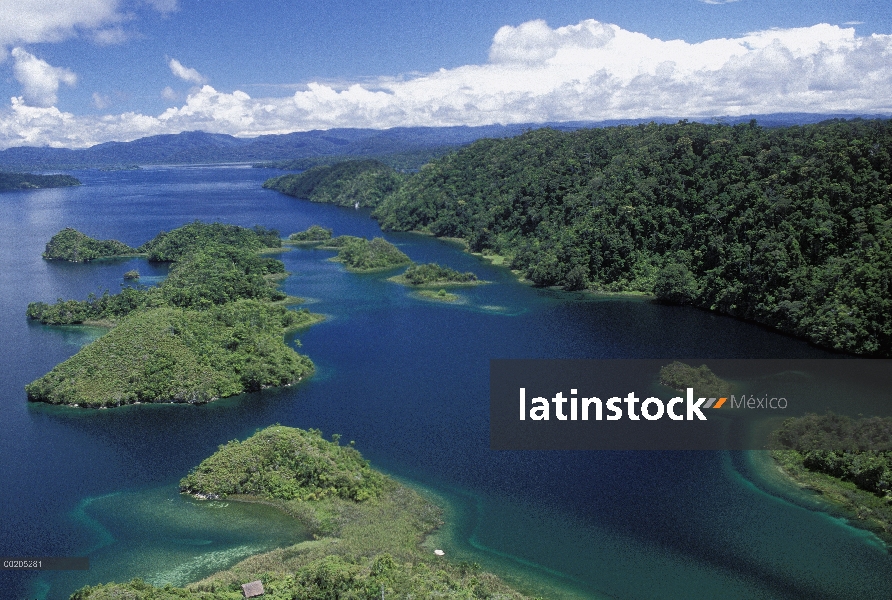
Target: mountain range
point(195, 147)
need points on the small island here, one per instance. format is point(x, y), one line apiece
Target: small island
point(439, 296)
point(314, 234)
point(846, 460)
point(360, 255)
point(434, 275)
point(366, 528)
point(680, 376)
point(30, 181)
point(74, 246)
point(213, 328)
point(131, 274)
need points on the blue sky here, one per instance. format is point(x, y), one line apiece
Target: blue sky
point(86, 71)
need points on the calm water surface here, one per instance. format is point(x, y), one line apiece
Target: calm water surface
point(407, 379)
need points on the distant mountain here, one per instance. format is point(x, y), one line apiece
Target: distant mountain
point(192, 147)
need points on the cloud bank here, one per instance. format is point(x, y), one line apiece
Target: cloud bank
point(534, 73)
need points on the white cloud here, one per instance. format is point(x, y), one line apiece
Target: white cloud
point(535, 73)
point(164, 6)
point(101, 101)
point(36, 21)
point(169, 94)
point(185, 73)
point(40, 80)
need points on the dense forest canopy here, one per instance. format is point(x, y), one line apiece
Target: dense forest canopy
point(790, 227)
point(347, 183)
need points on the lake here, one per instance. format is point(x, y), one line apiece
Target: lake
point(408, 380)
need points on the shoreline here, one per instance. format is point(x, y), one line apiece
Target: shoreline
point(833, 496)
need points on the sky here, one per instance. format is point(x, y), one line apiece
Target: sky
point(74, 73)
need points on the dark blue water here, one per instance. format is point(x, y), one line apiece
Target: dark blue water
point(407, 379)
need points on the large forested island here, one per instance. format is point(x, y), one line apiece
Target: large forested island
point(30, 181)
point(848, 461)
point(213, 328)
point(790, 227)
point(366, 528)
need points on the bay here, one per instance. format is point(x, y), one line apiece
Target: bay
point(407, 380)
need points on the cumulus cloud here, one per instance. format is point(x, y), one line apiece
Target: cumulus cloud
point(40, 80)
point(535, 73)
point(185, 73)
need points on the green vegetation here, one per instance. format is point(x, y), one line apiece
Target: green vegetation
point(281, 463)
point(357, 181)
point(362, 255)
point(213, 328)
point(176, 355)
point(314, 233)
point(29, 181)
point(680, 376)
point(131, 274)
point(434, 274)
point(789, 227)
point(170, 246)
point(366, 529)
point(848, 461)
point(440, 296)
point(74, 246)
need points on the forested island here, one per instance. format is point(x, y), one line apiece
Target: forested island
point(680, 376)
point(213, 328)
point(364, 256)
point(366, 528)
point(790, 227)
point(848, 461)
point(434, 275)
point(74, 246)
point(314, 234)
point(30, 181)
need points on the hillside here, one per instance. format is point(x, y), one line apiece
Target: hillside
point(788, 227)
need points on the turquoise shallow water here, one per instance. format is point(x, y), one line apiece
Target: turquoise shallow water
point(406, 379)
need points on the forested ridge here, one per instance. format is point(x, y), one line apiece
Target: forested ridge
point(789, 227)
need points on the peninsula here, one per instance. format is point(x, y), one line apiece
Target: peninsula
point(213, 328)
point(366, 528)
point(846, 460)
